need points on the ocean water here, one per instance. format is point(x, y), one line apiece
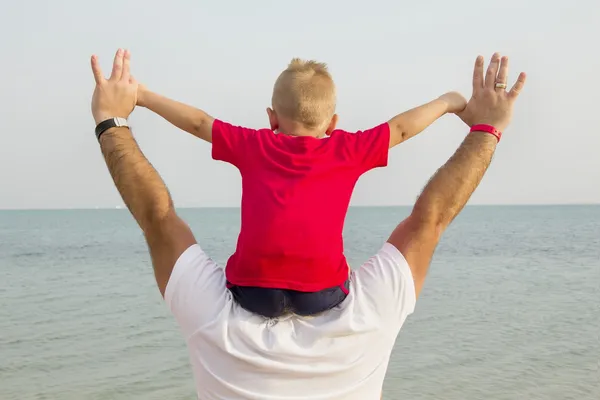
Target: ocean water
point(510, 309)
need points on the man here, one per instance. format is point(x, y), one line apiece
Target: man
point(340, 354)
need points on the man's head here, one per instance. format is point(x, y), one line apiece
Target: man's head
point(303, 100)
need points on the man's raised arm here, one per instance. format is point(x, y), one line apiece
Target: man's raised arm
point(140, 186)
point(488, 112)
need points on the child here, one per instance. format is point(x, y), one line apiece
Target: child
point(297, 180)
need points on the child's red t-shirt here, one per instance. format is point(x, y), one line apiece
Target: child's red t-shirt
point(295, 196)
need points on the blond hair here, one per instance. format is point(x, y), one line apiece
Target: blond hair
point(305, 93)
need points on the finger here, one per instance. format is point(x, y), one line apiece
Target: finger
point(126, 61)
point(117, 66)
point(492, 71)
point(503, 71)
point(98, 75)
point(518, 86)
point(478, 74)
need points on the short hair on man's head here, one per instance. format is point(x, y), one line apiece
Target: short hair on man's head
point(305, 93)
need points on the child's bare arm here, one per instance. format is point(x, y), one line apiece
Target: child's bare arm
point(412, 122)
point(187, 118)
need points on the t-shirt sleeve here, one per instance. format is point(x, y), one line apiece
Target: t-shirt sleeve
point(231, 143)
point(386, 287)
point(196, 292)
point(369, 149)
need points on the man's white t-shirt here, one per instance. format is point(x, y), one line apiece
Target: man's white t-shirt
point(340, 354)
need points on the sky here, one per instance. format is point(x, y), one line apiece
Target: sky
point(223, 56)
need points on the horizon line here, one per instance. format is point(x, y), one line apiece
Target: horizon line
point(122, 207)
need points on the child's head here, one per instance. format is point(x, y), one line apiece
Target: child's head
point(304, 100)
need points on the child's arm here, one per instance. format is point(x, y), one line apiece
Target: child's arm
point(187, 118)
point(412, 122)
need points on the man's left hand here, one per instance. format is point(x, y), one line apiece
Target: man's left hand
point(117, 95)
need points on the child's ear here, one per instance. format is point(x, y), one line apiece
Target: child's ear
point(273, 119)
point(332, 124)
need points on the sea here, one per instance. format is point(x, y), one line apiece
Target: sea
point(510, 309)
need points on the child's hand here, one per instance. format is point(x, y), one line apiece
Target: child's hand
point(142, 90)
point(455, 101)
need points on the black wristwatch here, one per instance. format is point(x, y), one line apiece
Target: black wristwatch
point(110, 123)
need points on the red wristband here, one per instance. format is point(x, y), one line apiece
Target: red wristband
point(487, 129)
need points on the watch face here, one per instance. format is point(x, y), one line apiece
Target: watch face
point(120, 121)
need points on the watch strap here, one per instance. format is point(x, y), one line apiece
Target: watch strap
point(110, 123)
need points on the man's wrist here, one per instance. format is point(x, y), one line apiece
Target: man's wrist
point(108, 123)
point(106, 116)
point(487, 128)
point(484, 138)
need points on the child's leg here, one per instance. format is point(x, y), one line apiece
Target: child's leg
point(312, 303)
point(267, 302)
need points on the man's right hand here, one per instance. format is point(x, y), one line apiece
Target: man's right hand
point(488, 104)
point(453, 184)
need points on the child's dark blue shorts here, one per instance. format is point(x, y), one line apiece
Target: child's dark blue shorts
point(273, 303)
